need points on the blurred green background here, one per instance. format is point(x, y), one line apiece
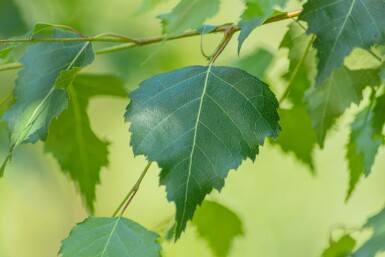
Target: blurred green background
point(285, 210)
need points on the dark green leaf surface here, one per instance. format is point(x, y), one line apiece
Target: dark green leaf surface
point(110, 237)
point(188, 15)
point(330, 100)
point(218, 225)
point(343, 247)
point(71, 140)
point(197, 123)
point(38, 99)
point(256, 12)
point(302, 59)
point(376, 243)
point(11, 20)
point(341, 26)
point(365, 140)
point(297, 134)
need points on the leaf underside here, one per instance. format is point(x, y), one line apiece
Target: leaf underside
point(197, 123)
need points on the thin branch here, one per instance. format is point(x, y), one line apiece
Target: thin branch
point(130, 195)
point(226, 39)
point(143, 41)
point(11, 66)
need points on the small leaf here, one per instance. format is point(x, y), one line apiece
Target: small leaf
point(297, 134)
point(330, 100)
point(302, 59)
point(71, 140)
point(197, 123)
point(218, 225)
point(340, 27)
point(38, 99)
point(256, 63)
point(188, 15)
point(110, 237)
point(343, 247)
point(256, 12)
point(365, 140)
point(376, 243)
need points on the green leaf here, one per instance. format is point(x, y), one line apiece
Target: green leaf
point(256, 63)
point(376, 243)
point(71, 140)
point(12, 22)
point(206, 28)
point(147, 5)
point(340, 27)
point(197, 123)
point(297, 134)
point(38, 99)
point(343, 247)
point(256, 12)
point(330, 100)
point(365, 140)
point(302, 59)
point(110, 237)
point(188, 15)
point(218, 225)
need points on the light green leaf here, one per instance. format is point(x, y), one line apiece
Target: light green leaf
point(297, 134)
point(256, 63)
point(197, 123)
point(110, 237)
point(341, 26)
point(256, 12)
point(147, 5)
point(302, 59)
point(38, 99)
point(206, 29)
point(188, 15)
point(330, 100)
point(376, 243)
point(343, 247)
point(365, 139)
point(218, 225)
point(71, 140)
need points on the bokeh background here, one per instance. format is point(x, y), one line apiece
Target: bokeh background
point(285, 210)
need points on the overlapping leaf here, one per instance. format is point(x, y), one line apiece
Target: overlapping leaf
point(71, 140)
point(343, 247)
point(256, 12)
point(197, 123)
point(218, 225)
point(38, 99)
point(341, 26)
point(188, 15)
point(365, 139)
point(297, 134)
point(110, 237)
point(376, 243)
point(330, 100)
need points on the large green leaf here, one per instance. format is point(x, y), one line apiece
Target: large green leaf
point(197, 123)
point(330, 100)
point(365, 139)
point(343, 247)
point(256, 12)
point(302, 59)
point(188, 15)
point(11, 20)
point(110, 237)
point(340, 27)
point(376, 243)
point(38, 99)
point(71, 140)
point(218, 225)
point(148, 5)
